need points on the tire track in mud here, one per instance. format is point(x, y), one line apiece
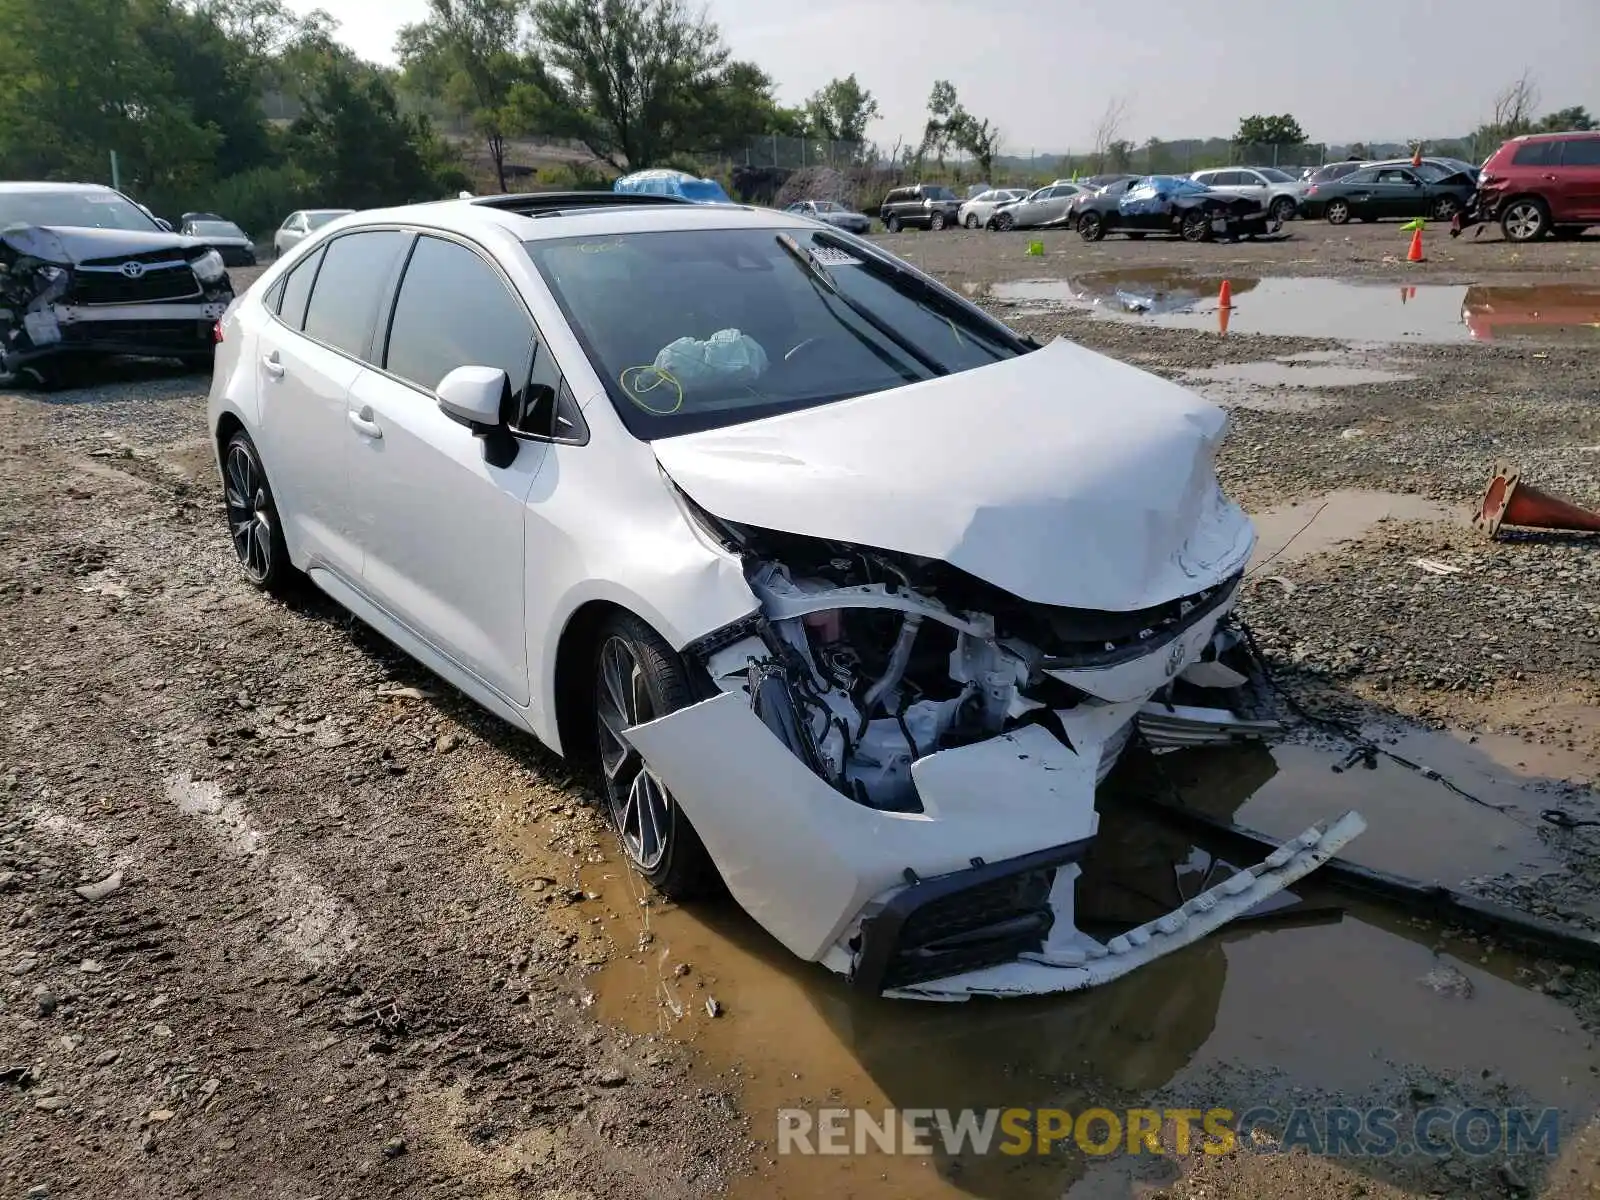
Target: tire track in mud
point(312, 980)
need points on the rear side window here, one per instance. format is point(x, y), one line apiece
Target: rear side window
point(355, 275)
point(1581, 152)
point(297, 290)
point(453, 311)
point(1537, 154)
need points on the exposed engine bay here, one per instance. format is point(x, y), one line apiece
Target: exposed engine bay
point(962, 733)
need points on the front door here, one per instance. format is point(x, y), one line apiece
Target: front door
point(442, 528)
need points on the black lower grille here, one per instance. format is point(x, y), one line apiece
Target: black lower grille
point(981, 917)
point(154, 286)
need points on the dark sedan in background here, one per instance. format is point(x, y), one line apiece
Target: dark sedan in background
point(223, 236)
point(1438, 188)
point(1167, 204)
point(832, 213)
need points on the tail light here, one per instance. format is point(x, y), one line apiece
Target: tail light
point(216, 332)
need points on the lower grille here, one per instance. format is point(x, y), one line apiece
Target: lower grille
point(154, 286)
point(981, 917)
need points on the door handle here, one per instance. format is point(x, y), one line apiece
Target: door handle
point(363, 423)
point(1550, 178)
point(273, 366)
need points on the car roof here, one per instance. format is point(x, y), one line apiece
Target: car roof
point(40, 186)
point(469, 217)
point(1556, 135)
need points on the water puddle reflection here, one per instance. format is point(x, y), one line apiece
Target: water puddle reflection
point(1341, 309)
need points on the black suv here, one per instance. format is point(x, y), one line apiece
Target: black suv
point(921, 206)
point(86, 271)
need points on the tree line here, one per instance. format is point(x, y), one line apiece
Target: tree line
point(178, 90)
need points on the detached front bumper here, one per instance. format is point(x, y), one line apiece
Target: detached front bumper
point(973, 895)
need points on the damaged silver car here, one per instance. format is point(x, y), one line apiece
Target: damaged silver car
point(85, 271)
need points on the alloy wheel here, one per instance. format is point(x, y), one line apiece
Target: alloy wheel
point(249, 512)
point(1523, 221)
point(640, 807)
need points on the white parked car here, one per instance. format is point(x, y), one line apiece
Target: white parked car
point(850, 594)
point(1038, 208)
point(975, 213)
point(1277, 191)
point(298, 226)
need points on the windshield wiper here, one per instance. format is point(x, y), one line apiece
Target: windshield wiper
point(919, 291)
point(820, 277)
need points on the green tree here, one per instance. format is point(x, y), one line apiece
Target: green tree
point(1564, 119)
point(742, 103)
point(353, 139)
point(470, 55)
point(629, 78)
point(841, 110)
point(78, 81)
point(1269, 131)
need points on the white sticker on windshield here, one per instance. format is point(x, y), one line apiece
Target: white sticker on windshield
point(832, 256)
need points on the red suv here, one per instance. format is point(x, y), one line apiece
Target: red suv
point(1542, 183)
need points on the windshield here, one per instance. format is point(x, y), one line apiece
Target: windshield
point(1275, 175)
point(728, 325)
point(938, 193)
point(85, 210)
point(225, 229)
point(316, 220)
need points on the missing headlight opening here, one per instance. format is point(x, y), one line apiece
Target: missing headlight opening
point(961, 733)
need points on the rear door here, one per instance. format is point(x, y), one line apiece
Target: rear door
point(441, 528)
point(1579, 184)
point(301, 383)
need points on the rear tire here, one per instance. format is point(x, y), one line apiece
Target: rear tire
point(1445, 208)
point(1195, 227)
point(892, 225)
point(1005, 222)
point(1091, 228)
point(1525, 219)
point(638, 677)
point(1337, 212)
point(254, 526)
point(1282, 208)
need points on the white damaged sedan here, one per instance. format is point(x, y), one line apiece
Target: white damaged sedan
point(851, 594)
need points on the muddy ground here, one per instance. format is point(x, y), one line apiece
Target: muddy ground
point(351, 937)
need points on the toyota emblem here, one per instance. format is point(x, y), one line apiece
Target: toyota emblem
point(133, 269)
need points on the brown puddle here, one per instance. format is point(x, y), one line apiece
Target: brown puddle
point(1345, 310)
point(1350, 1006)
point(1289, 532)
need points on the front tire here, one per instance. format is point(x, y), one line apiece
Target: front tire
point(1445, 208)
point(1282, 209)
point(892, 225)
point(1091, 228)
point(638, 677)
point(1525, 220)
point(254, 527)
point(972, 220)
point(1195, 227)
point(936, 222)
point(1337, 212)
point(1005, 222)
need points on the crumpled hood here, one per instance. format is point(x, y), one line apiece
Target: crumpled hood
point(1063, 476)
point(72, 244)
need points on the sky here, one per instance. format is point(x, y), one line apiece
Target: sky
point(1044, 70)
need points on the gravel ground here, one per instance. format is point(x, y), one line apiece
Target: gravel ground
point(327, 965)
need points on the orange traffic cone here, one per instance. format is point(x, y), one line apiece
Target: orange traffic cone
point(1225, 295)
point(1416, 157)
point(1509, 501)
point(1415, 253)
point(1223, 315)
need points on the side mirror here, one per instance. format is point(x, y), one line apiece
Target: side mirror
point(474, 396)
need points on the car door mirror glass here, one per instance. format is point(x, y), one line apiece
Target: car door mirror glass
point(474, 397)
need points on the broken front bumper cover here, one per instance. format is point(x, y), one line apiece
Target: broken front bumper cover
point(158, 330)
point(973, 895)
